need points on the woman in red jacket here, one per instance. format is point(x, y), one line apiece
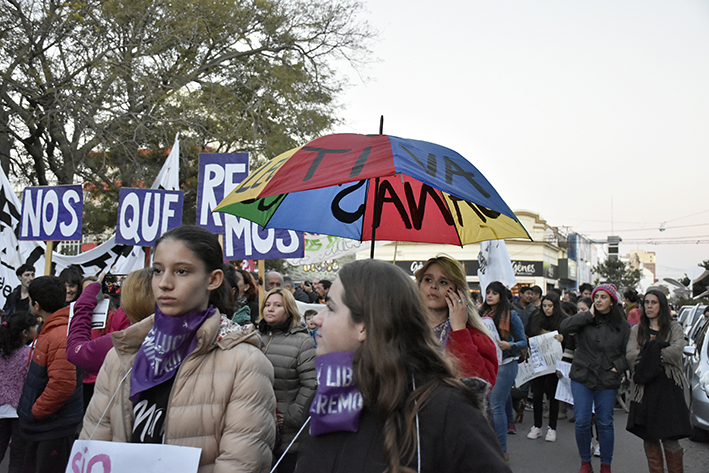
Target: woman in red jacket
point(454, 319)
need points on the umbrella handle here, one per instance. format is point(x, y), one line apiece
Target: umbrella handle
point(374, 228)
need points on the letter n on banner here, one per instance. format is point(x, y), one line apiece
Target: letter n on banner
point(52, 213)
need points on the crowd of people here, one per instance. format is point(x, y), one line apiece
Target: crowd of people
point(368, 372)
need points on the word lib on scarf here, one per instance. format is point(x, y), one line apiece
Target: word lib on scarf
point(338, 401)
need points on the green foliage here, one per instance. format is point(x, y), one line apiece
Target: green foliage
point(85, 86)
point(616, 272)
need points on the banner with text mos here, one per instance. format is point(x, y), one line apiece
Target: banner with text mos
point(145, 214)
point(52, 213)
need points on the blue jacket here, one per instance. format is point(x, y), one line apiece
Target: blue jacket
point(516, 337)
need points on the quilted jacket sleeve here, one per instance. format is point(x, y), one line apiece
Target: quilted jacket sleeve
point(307, 376)
point(105, 386)
point(250, 420)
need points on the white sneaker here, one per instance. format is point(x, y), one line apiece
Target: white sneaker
point(534, 433)
point(551, 435)
point(597, 450)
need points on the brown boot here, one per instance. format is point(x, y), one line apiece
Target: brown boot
point(674, 460)
point(653, 452)
point(586, 467)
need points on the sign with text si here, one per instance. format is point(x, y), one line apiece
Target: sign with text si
point(145, 214)
point(94, 456)
point(244, 239)
point(52, 213)
point(219, 174)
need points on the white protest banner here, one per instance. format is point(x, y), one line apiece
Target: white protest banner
point(563, 388)
point(524, 373)
point(95, 456)
point(320, 248)
point(52, 213)
point(545, 351)
point(98, 317)
point(302, 307)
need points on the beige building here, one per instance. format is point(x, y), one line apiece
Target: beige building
point(644, 261)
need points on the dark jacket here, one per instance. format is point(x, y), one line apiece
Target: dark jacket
point(599, 349)
point(51, 405)
point(15, 304)
point(523, 312)
point(657, 408)
point(301, 295)
point(454, 434)
point(291, 351)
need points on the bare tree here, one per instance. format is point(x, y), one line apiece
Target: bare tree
point(85, 85)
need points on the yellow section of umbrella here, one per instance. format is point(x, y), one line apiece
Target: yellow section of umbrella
point(475, 223)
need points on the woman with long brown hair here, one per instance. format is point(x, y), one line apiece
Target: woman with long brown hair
point(454, 319)
point(544, 321)
point(509, 326)
point(394, 402)
point(658, 413)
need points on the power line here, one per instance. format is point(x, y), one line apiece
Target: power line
point(644, 229)
point(690, 238)
point(676, 242)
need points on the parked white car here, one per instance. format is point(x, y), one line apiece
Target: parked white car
point(697, 370)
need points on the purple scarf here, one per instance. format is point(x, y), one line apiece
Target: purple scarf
point(165, 347)
point(338, 403)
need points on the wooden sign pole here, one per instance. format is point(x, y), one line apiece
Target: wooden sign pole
point(48, 258)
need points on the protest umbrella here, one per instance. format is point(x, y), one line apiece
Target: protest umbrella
point(375, 187)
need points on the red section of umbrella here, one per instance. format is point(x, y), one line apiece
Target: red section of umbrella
point(332, 160)
point(405, 206)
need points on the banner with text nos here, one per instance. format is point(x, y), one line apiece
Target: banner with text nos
point(52, 213)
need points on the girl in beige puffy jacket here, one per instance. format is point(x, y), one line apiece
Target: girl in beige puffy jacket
point(187, 375)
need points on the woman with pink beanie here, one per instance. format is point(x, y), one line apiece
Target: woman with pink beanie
point(601, 335)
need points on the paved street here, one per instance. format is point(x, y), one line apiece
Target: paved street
point(538, 456)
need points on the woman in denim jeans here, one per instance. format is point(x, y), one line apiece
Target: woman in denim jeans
point(601, 336)
point(512, 340)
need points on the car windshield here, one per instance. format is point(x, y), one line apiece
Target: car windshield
point(684, 311)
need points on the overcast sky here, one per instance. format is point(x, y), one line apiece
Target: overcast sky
point(593, 113)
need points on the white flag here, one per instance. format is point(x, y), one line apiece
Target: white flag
point(169, 176)
point(495, 265)
point(319, 248)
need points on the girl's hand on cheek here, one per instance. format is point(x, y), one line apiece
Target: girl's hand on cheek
point(457, 309)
